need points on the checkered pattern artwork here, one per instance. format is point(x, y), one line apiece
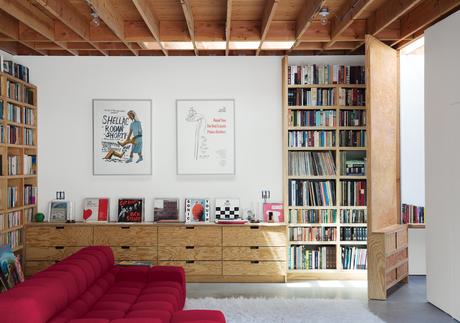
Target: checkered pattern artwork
point(227, 209)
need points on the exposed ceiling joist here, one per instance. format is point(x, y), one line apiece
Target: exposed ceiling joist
point(269, 13)
point(187, 9)
point(228, 26)
point(305, 18)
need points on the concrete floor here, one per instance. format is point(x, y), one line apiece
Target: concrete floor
point(407, 304)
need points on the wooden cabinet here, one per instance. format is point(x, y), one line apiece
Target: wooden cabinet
point(207, 252)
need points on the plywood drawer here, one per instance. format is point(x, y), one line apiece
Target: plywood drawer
point(402, 270)
point(390, 277)
point(190, 235)
point(255, 253)
point(134, 253)
point(49, 253)
point(33, 267)
point(401, 239)
point(207, 268)
point(125, 235)
point(390, 242)
point(189, 253)
point(254, 235)
point(254, 268)
point(396, 258)
point(59, 235)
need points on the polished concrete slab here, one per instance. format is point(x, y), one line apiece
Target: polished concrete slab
point(406, 304)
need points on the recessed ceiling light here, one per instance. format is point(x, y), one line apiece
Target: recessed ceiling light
point(277, 44)
point(244, 44)
point(179, 45)
point(211, 45)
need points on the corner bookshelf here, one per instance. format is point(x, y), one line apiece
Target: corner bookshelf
point(18, 156)
point(330, 131)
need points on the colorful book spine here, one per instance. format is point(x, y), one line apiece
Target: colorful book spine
point(412, 214)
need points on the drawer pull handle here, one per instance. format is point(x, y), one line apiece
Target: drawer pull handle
point(125, 227)
point(56, 261)
point(189, 261)
point(189, 228)
point(125, 247)
point(59, 228)
point(254, 227)
point(254, 261)
point(254, 247)
point(59, 247)
point(189, 247)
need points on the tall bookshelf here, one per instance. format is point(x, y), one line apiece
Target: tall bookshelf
point(18, 157)
point(338, 152)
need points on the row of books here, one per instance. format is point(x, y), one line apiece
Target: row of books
point(312, 118)
point(12, 135)
point(30, 194)
point(354, 167)
point(13, 165)
point(311, 163)
point(352, 118)
point(412, 214)
point(13, 238)
point(354, 258)
point(312, 216)
point(28, 137)
point(307, 258)
point(352, 138)
point(29, 214)
point(326, 74)
point(311, 193)
point(352, 97)
point(19, 92)
point(15, 69)
point(353, 233)
point(30, 164)
point(13, 113)
point(353, 216)
point(10, 220)
point(312, 97)
point(29, 117)
point(353, 193)
point(311, 138)
point(12, 196)
point(313, 234)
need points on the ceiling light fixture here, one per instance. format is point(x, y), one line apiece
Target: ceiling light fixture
point(324, 13)
point(95, 20)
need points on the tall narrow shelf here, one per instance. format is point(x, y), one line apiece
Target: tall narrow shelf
point(336, 178)
point(18, 147)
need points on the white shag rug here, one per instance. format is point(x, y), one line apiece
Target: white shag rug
point(286, 310)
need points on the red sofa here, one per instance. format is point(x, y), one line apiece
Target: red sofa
point(88, 288)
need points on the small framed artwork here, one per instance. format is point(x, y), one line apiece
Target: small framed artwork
point(197, 210)
point(59, 210)
point(166, 210)
point(131, 209)
point(273, 212)
point(122, 137)
point(227, 208)
point(96, 209)
point(205, 137)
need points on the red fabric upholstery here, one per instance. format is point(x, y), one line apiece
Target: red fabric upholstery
point(198, 316)
point(88, 288)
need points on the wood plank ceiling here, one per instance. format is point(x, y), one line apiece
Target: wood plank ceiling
point(211, 27)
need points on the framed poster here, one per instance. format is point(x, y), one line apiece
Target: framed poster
point(205, 137)
point(122, 137)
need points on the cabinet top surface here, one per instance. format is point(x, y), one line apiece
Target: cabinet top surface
point(154, 224)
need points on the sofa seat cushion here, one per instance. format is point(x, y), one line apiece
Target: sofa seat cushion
point(90, 321)
point(153, 305)
point(104, 314)
point(163, 316)
point(198, 316)
point(136, 320)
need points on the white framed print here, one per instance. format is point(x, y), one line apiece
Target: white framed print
point(122, 137)
point(205, 137)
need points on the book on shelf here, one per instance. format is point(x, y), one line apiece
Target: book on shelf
point(352, 138)
point(312, 139)
point(353, 193)
point(13, 165)
point(353, 216)
point(29, 214)
point(28, 137)
point(12, 133)
point(29, 117)
point(3, 134)
point(312, 216)
point(311, 193)
point(19, 92)
point(30, 164)
point(14, 238)
point(313, 234)
point(326, 74)
point(354, 258)
point(353, 234)
point(312, 97)
point(311, 258)
point(2, 113)
point(351, 97)
point(14, 69)
point(14, 113)
point(30, 194)
point(311, 163)
point(412, 214)
point(312, 118)
point(13, 219)
point(352, 118)
point(12, 197)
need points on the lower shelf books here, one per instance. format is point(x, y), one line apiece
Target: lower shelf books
point(352, 138)
point(310, 138)
point(12, 193)
point(308, 258)
point(412, 214)
point(311, 163)
point(28, 137)
point(30, 164)
point(353, 216)
point(13, 238)
point(13, 165)
point(352, 97)
point(30, 194)
point(12, 219)
point(312, 216)
point(311, 193)
point(312, 118)
point(354, 258)
point(313, 234)
point(353, 193)
point(353, 233)
point(352, 118)
point(29, 214)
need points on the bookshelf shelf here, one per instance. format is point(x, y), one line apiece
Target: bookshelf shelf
point(17, 176)
point(296, 117)
point(416, 225)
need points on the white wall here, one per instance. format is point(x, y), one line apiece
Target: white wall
point(68, 84)
point(442, 160)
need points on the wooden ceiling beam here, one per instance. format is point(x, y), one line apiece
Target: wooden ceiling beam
point(305, 18)
point(151, 20)
point(108, 13)
point(388, 13)
point(269, 13)
point(187, 9)
point(69, 16)
point(228, 26)
point(29, 15)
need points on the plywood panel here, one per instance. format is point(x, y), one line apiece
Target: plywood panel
point(49, 253)
point(189, 235)
point(208, 268)
point(125, 235)
point(255, 253)
point(254, 236)
point(189, 253)
point(135, 253)
point(59, 235)
point(254, 268)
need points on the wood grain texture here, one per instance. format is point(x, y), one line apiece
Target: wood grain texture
point(189, 253)
point(189, 235)
point(49, 253)
point(254, 268)
point(134, 253)
point(236, 279)
point(33, 267)
point(56, 235)
point(207, 268)
point(254, 236)
point(125, 235)
point(254, 253)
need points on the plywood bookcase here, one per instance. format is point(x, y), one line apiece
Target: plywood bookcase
point(18, 127)
point(337, 178)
